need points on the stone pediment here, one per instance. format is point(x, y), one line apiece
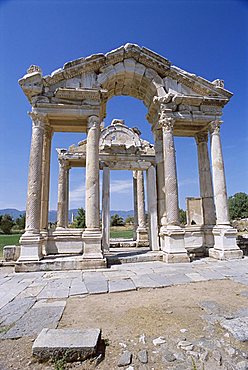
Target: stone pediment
point(129, 70)
point(116, 139)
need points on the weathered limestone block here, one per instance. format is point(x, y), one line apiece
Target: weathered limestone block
point(69, 344)
point(88, 80)
point(11, 252)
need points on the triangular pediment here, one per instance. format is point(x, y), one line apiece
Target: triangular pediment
point(128, 70)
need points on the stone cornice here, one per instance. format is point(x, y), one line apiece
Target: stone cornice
point(33, 83)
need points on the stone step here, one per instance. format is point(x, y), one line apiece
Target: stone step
point(69, 344)
point(133, 258)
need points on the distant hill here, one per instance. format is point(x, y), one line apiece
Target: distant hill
point(52, 217)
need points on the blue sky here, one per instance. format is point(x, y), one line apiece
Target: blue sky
point(208, 38)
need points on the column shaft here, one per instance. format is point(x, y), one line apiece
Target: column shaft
point(92, 175)
point(105, 209)
point(152, 208)
point(46, 155)
point(135, 205)
point(171, 189)
point(33, 210)
point(141, 200)
point(160, 177)
point(62, 194)
point(205, 179)
point(219, 181)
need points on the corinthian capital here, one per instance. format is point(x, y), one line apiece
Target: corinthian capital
point(38, 119)
point(167, 123)
point(201, 137)
point(214, 126)
point(93, 121)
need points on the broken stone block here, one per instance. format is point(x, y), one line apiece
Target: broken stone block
point(125, 359)
point(71, 344)
point(143, 356)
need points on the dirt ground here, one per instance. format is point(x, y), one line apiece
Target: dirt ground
point(125, 317)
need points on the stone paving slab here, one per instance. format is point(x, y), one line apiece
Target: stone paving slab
point(209, 274)
point(11, 293)
point(69, 344)
point(241, 279)
point(14, 310)
point(145, 281)
point(121, 285)
point(237, 327)
point(77, 287)
point(96, 286)
point(58, 288)
point(179, 279)
point(42, 315)
point(160, 279)
point(195, 276)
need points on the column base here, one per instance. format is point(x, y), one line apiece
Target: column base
point(142, 239)
point(31, 247)
point(225, 243)
point(173, 245)
point(92, 240)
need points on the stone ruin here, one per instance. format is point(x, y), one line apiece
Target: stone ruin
point(73, 99)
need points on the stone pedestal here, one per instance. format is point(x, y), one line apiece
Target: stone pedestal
point(92, 236)
point(142, 233)
point(92, 245)
point(172, 235)
point(225, 245)
point(31, 241)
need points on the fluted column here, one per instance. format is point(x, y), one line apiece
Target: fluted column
point(142, 234)
point(31, 239)
point(92, 235)
point(160, 177)
point(92, 174)
point(152, 208)
point(205, 179)
point(171, 189)
point(46, 158)
point(62, 212)
point(219, 181)
point(135, 206)
point(225, 244)
point(172, 235)
point(105, 208)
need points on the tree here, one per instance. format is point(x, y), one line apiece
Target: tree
point(238, 206)
point(79, 220)
point(116, 220)
point(182, 217)
point(20, 222)
point(6, 224)
point(129, 220)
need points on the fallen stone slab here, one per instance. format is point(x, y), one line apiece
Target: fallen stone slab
point(69, 344)
point(237, 327)
point(41, 315)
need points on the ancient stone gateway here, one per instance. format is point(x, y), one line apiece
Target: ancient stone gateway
point(73, 99)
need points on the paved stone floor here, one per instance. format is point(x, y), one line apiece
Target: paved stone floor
point(31, 301)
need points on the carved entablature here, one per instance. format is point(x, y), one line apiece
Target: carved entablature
point(129, 70)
